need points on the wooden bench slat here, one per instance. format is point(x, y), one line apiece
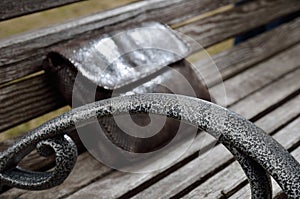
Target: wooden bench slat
point(197, 170)
point(224, 182)
point(258, 76)
point(229, 61)
point(267, 97)
point(219, 182)
point(187, 175)
point(29, 49)
point(26, 100)
point(253, 51)
point(216, 28)
point(11, 9)
point(119, 179)
point(245, 192)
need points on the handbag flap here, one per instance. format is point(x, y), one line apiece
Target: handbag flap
point(120, 58)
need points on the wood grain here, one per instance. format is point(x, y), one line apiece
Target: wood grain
point(70, 186)
point(268, 96)
point(229, 63)
point(11, 9)
point(22, 55)
point(214, 29)
point(26, 100)
point(245, 55)
point(254, 78)
point(124, 182)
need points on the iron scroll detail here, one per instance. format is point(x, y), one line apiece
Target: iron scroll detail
point(65, 158)
point(258, 153)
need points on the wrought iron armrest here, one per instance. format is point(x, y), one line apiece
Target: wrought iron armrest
point(257, 152)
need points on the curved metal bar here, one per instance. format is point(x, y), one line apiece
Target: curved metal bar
point(66, 154)
point(260, 182)
point(223, 124)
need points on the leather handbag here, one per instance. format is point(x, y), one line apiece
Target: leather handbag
point(145, 59)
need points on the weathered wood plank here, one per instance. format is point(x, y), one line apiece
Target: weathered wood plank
point(230, 61)
point(268, 96)
point(197, 170)
point(223, 183)
point(282, 115)
point(126, 182)
point(26, 100)
point(258, 76)
point(212, 160)
point(22, 55)
point(188, 174)
point(245, 192)
point(11, 9)
point(214, 29)
point(243, 56)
